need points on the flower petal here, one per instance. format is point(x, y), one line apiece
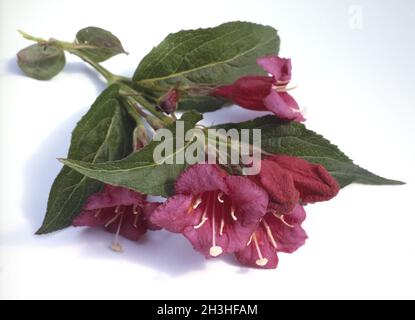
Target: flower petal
point(279, 185)
point(93, 218)
point(297, 216)
point(131, 226)
point(288, 238)
point(149, 209)
point(201, 178)
point(280, 68)
point(233, 239)
point(248, 92)
point(249, 256)
point(176, 214)
point(283, 106)
point(114, 196)
point(312, 180)
point(249, 199)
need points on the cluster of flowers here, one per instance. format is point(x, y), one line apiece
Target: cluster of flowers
point(252, 217)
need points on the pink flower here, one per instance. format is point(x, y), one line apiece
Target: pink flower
point(216, 212)
point(263, 93)
point(118, 210)
point(276, 233)
point(291, 180)
point(288, 181)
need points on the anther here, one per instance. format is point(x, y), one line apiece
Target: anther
point(233, 214)
point(202, 222)
point(281, 217)
point(269, 234)
point(135, 211)
point(97, 213)
point(220, 199)
point(250, 241)
point(197, 203)
point(285, 222)
point(222, 226)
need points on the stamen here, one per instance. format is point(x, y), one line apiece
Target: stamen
point(97, 213)
point(233, 214)
point(285, 222)
point(116, 246)
point(279, 82)
point(204, 218)
point(118, 213)
point(214, 250)
point(135, 221)
point(202, 222)
point(222, 225)
point(281, 217)
point(261, 262)
point(135, 211)
point(250, 241)
point(220, 195)
point(269, 234)
point(197, 203)
point(285, 89)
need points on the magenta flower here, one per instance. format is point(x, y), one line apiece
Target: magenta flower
point(291, 180)
point(276, 233)
point(118, 210)
point(288, 181)
point(263, 93)
point(216, 212)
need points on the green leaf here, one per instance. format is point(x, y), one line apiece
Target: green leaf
point(41, 62)
point(295, 139)
point(103, 44)
point(201, 103)
point(216, 56)
point(139, 172)
point(103, 134)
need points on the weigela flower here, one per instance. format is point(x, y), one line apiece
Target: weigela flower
point(276, 233)
point(263, 93)
point(118, 210)
point(291, 180)
point(215, 211)
point(288, 181)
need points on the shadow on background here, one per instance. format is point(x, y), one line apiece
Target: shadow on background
point(163, 252)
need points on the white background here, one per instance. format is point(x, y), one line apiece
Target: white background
point(358, 89)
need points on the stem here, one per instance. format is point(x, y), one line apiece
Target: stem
point(137, 99)
point(157, 119)
point(134, 110)
point(73, 49)
point(109, 76)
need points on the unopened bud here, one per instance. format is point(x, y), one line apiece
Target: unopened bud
point(169, 101)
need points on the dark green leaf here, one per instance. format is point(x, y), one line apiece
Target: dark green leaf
point(139, 172)
point(103, 44)
point(103, 134)
point(295, 139)
point(41, 62)
point(216, 56)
